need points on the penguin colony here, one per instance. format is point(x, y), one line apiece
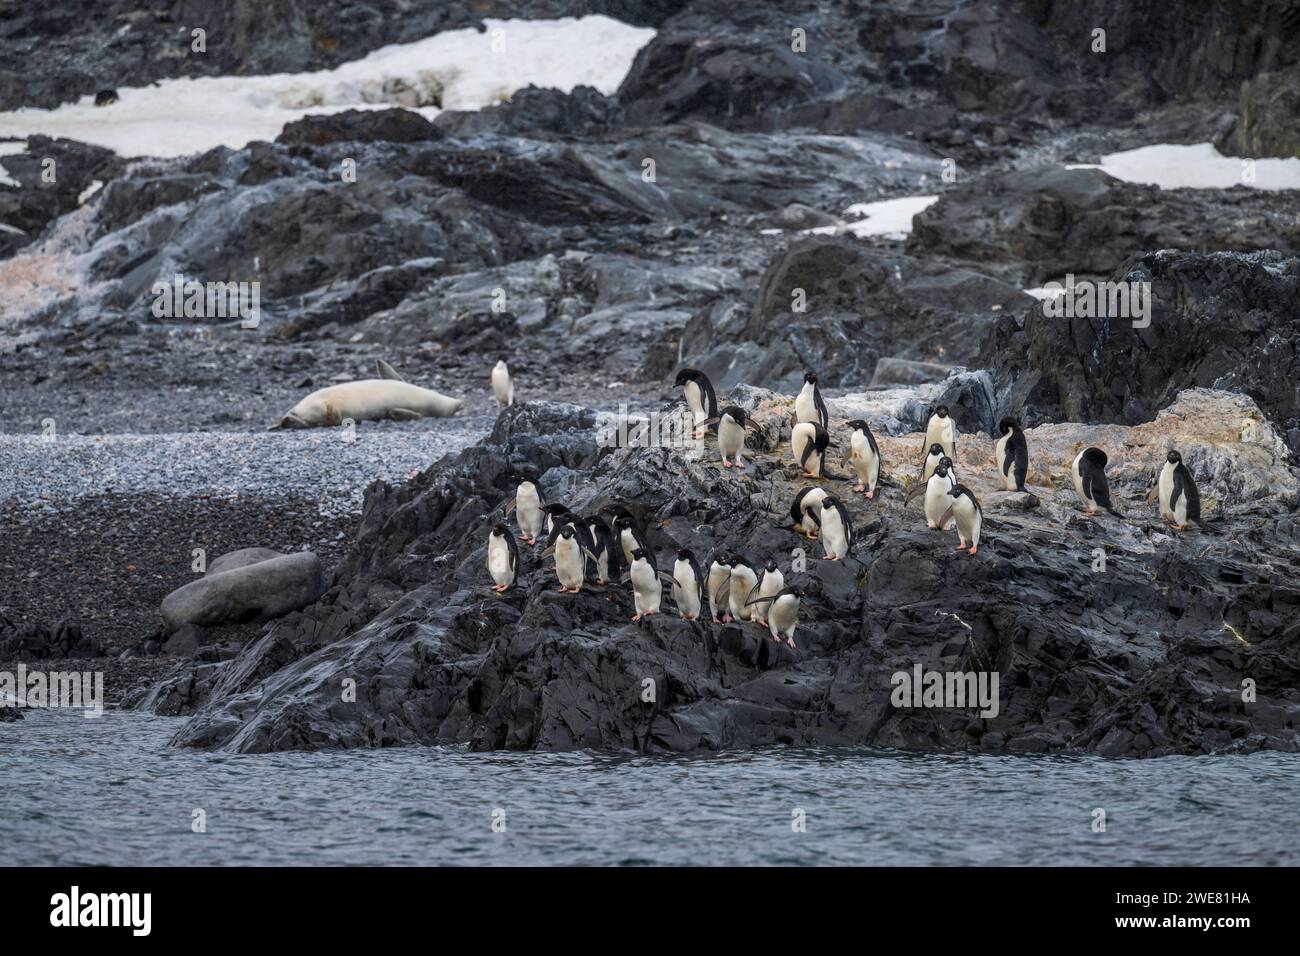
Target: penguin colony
point(591, 551)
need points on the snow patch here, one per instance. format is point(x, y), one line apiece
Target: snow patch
point(1199, 166)
point(456, 69)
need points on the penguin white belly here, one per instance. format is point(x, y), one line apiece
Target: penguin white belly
point(731, 438)
point(936, 499)
point(695, 402)
point(834, 539)
point(805, 409)
point(717, 586)
point(1006, 475)
point(1166, 486)
point(528, 509)
point(686, 590)
point(783, 617)
point(647, 592)
point(569, 563)
point(864, 460)
point(602, 566)
point(968, 521)
point(799, 439)
point(502, 386)
point(769, 585)
point(931, 463)
point(742, 582)
point(627, 540)
point(1078, 483)
point(499, 561)
point(812, 505)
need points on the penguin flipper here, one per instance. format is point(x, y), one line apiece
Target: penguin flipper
point(947, 516)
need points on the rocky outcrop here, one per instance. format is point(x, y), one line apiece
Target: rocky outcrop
point(1221, 320)
point(34, 642)
point(1142, 651)
point(1268, 122)
point(1037, 225)
point(50, 178)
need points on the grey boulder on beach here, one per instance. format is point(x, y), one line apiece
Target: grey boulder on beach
point(252, 584)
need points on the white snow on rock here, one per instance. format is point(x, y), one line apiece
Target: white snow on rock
point(888, 218)
point(10, 149)
point(1199, 166)
point(456, 69)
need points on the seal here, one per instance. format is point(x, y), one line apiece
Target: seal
point(372, 399)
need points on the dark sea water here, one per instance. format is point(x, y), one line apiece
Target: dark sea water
point(110, 791)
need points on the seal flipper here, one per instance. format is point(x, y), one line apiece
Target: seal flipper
point(288, 421)
point(404, 415)
point(387, 371)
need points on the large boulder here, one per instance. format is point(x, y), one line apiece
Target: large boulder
point(1268, 121)
point(1219, 320)
point(245, 588)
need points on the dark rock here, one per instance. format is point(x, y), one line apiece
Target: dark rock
point(259, 591)
point(538, 113)
point(1269, 120)
point(359, 126)
point(25, 210)
point(185, 641)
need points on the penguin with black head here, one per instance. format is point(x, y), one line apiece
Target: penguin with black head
point(809, 406)
point(1011, 455)
point(700, 397)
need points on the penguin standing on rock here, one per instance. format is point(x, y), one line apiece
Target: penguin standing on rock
point(864, 457)
point(502, 557)
point(502, 386)
point(1089, 473)
point(768, 587)
point(570, 563)
point(783, 613)
point(809, 406)
point(718, 585)
point(809, 441)
point(742, 582)
point(837, 529)
point(647, 588)
point(731, 424)
point(936, 495)
point(687, 582)
point(1011, 455)
point(806, 511)
point(942, 430)
point(527, 506)
point(964, 509)
point(629, 538)
point(932, 459)
point(1180, 502)
point(606, 552)
point(700, 397)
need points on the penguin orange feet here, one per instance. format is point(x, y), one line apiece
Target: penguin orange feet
point(725, 463)
point(859, 488)
point(871, 493)
point(973, 548)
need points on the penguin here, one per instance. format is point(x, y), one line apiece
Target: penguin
point(1180, 502)
point(700, 397)
point(570, 564)
point(629, 538)
point(581, 534)
point(502, 385)
point(864, 457)
point(1011, 455)
point(936, 496)
point(731, 434)
point(932, 459)
point(1089, 472)
point(809, 406)
point(607, 556)
point(718, 585)
point(554, 512)
point(806, 511)
point(742, 582)
point(647, 589)
point(687, 581)
point(809, 441)
point(769, 586)
point(837, 529)
point(964, 508)
point(783, 614)
point(502, 557)
point(527, 507)
point(941, 429)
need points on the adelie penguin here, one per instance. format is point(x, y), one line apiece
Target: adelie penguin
point(1180, 502)
point(647, 584)
point(942, 430)
point(837, 529)
point(932, 459)
point(809, 405)
point(964, 509)
point(806, 511)
point(566, 520)
point(625, 529)
point(527, 506)
point(555, 514)
point(731, 424)
point(1089, 473)
point(700, 398)
point(502, 557)
point(936, 490)
point(768, 587)
point(718, 585)
point(809, 441)
point(783, 614)
point(1011, 454)
point(687, 582)
point(742, 582)
point(570, 563)
point(864, 457)
point(607, 555)
point(502, 386)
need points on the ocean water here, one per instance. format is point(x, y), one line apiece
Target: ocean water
point(111, 791)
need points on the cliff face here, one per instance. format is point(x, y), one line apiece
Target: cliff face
point(1108, 635)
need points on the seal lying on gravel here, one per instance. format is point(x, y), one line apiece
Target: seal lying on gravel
point(371, 399)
